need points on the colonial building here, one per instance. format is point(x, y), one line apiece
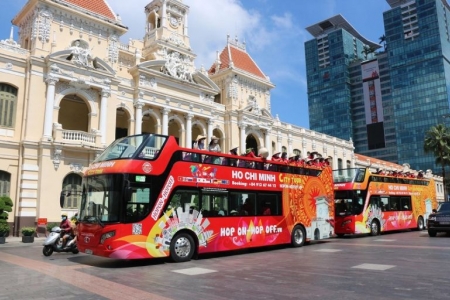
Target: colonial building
point(69, 87)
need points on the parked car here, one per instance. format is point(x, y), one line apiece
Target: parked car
point(439, 220)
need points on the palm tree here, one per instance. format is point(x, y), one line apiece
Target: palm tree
point(367, 50)
point(437, 141)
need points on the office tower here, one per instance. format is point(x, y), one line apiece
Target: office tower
point(401, 88)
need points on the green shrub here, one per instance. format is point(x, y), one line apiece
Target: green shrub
point(51, 225)
point(28, 231)
point(4, 229)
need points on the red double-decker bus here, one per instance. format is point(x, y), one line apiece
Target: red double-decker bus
point(145, 197)
point(373, 203)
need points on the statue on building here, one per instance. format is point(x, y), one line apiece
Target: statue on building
point(176, 66)
point(80, 54)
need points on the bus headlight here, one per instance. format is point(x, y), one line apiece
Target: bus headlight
point(107, 236)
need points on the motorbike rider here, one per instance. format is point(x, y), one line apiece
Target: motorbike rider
point(66, 229)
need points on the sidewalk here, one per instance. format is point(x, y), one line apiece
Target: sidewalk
point(16, 241)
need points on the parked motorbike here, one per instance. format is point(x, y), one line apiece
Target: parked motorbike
point(53, 243)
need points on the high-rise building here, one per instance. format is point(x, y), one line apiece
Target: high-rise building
point(385, 99)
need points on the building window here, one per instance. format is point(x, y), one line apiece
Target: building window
point(5, 182)
point(72, 189)
point(8, 103)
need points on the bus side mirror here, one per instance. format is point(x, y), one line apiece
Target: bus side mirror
point(128, 191)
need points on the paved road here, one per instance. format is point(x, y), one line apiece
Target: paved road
point(404, 265)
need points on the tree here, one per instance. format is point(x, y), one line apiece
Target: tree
point(367, 50)
point(383, 41)
point(437, 141)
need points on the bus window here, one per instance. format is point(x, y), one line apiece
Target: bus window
point(384, 203)
point(269, 204)
point(375, 201)
point(405, 203)
point(394, 203)
point(138, 205)
point(215, 204)
point(243, 203)
point(184, 201)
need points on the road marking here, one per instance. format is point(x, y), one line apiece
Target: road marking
point(396, 246)
point(384, 240)
point(328, 250)
point(194, 271)
point(104, 288)
point(376, 267)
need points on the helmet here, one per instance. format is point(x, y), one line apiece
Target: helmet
point(64, 215)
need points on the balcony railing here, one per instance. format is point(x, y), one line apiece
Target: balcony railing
point(78, 136)
point(75, 137)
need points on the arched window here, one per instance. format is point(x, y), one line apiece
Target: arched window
point(5, 182)
point(72, 188)
point(8, 103)
point(283, 149)
point(297, 152)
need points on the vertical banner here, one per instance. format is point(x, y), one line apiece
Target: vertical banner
point(372, 92)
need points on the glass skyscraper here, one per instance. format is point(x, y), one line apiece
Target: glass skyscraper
point(384, 99)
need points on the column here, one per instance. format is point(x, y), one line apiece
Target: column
point(352, 161)
point(48, 118)
point(267, 143)
point(335, 158)
point(189, 130)
point(279, 140)
point(165, 121)
point(138, 121)
point(290, 144)
point(164, 14)
point(210, 130)
point(242, 135)
point(104, 113)
point(304, 144)
point(186, 26)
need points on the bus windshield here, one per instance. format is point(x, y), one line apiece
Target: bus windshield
point(348, 203)
point(100, 200)
point(146, 146)
point(349, 175)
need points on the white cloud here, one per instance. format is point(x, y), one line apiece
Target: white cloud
point(283, 22)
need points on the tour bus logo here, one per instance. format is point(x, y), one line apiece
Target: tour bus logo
point(164, 195)
point(147, 167)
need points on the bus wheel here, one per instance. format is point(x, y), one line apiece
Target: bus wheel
point(420, 224)
point(317, 234)
point(432, 233)
point(298, 236)
point(374, 228)
point(182, 247)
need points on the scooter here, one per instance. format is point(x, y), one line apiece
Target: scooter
point(53, 243)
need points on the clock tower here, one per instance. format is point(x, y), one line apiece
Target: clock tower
point(166, 33)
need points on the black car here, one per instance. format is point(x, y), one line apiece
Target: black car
point(439, 220)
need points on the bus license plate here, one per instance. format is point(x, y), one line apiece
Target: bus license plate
point(88, 251)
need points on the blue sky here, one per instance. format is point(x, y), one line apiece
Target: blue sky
point(274, 33)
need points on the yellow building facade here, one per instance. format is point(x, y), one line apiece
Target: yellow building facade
point(69, 87)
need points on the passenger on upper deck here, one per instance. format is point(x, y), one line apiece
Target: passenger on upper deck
point(214, 144)
point(200, 142)
point(284, 157)
point(276, 157)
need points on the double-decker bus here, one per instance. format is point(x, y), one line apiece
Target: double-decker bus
point(146, 197)
point(372, 203)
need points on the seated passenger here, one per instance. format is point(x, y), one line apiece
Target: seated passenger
point(276, 156)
